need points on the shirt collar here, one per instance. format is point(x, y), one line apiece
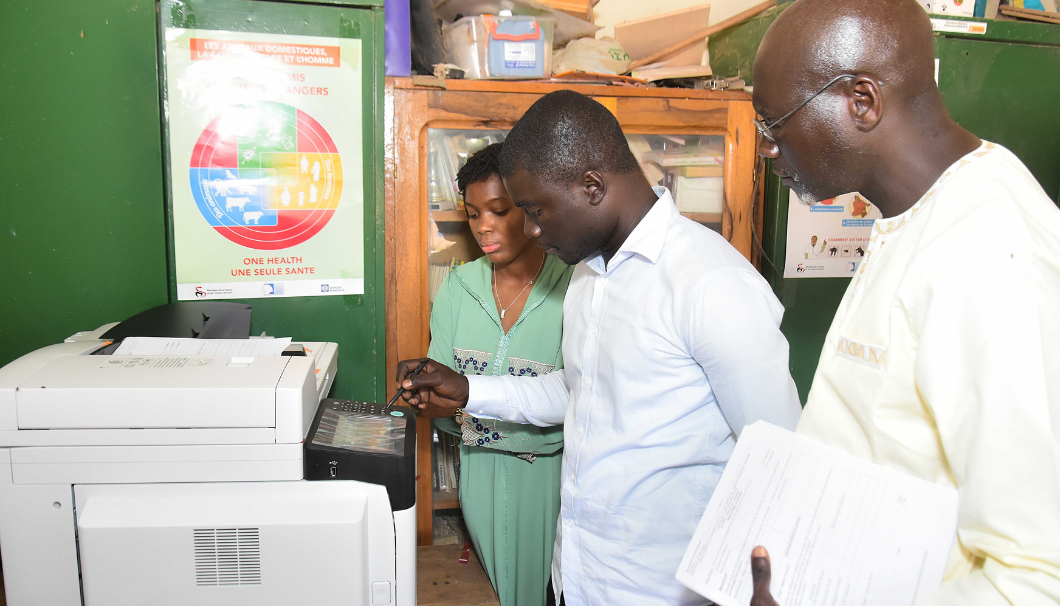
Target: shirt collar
point(647, 237)
point(893, 224)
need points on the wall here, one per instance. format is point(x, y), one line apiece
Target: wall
point(82, 211)
point(82, 236)
point(609, 12)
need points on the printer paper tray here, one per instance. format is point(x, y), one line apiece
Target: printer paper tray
point(137, 437)
point(148, 464)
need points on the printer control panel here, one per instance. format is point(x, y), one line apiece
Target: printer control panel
point(354, 440)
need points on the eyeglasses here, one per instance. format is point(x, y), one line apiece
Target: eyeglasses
point(763, 128)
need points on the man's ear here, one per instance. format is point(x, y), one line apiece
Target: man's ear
point(594, 187)
point(865, 103)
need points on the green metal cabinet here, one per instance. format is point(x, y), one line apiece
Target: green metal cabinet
point(82, 228)
point(1005, 87)
point(84, 221)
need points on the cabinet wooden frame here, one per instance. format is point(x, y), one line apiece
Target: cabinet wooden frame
point(411, 110)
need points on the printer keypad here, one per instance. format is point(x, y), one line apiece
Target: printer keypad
point(358, 407)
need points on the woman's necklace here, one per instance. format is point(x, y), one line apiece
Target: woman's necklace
point(497, 295)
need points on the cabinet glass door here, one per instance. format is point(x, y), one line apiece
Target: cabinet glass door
point(690, 166)
point(449, 239)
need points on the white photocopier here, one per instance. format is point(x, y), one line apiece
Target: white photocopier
point(178, 480)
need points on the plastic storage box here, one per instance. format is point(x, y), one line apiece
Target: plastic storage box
point(500, 47)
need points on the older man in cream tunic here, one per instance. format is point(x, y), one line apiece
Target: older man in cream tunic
point(943, 360)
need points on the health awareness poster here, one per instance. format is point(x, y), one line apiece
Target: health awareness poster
point(829, 238)
point(266, 164)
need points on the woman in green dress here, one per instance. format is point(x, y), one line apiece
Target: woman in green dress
point(504, 314)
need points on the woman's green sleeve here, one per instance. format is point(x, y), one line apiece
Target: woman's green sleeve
point(443, 327)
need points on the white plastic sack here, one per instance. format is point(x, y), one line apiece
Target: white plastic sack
point(599, 55)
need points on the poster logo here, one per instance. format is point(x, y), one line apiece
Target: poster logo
point(266, 176)
point(199, 292)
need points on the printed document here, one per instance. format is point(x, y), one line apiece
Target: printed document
point(839, 529)
point(165, 346)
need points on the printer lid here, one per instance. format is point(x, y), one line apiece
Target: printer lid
point(89, 392)
point(188, 319)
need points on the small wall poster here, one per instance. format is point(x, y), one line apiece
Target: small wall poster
point(829, 238)
point(266, 164)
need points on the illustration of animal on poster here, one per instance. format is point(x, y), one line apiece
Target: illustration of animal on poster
point(265, 149)
point(829, 238)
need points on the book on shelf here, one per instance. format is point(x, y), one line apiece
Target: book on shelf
point(446, 458)
point(436, 274)
point(436, 476)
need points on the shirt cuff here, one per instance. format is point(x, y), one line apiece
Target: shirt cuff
point(485, 397)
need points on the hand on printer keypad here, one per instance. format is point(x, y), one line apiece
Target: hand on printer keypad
point(437, 390)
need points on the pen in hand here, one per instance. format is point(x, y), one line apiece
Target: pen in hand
point(401, 389)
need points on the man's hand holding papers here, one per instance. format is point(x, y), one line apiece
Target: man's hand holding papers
point(841, 530)
point(760, 576)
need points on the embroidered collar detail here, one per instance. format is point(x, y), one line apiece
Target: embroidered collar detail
point(888, 226)
point(894, 224)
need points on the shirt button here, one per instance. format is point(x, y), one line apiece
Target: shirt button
point(569, 523)
point(581, 430)
point(593, 331)
point(588, 381)
point(571, 477)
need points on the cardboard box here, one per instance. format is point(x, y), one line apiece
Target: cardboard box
point(642, 37)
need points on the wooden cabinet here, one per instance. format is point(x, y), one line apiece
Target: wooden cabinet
point(720, 120)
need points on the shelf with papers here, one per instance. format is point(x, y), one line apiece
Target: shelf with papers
point(705, 218)
point(449, 216)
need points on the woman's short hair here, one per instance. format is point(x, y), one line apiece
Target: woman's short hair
point(482, 165)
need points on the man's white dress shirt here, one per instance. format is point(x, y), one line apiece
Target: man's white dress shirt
point(670, 349)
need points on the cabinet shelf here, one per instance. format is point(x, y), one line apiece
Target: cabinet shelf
point(445, 499)
point(704, 217)
point(449, 216)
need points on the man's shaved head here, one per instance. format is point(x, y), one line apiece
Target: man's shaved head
point(838, 141)
point(819, 39)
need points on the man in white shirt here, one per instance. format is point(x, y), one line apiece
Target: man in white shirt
point(943, 360)
point(671, 345)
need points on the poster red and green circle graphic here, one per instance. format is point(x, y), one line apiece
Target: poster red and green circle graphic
point(266, 176)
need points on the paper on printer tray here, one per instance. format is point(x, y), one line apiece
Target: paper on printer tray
point(164, 346)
